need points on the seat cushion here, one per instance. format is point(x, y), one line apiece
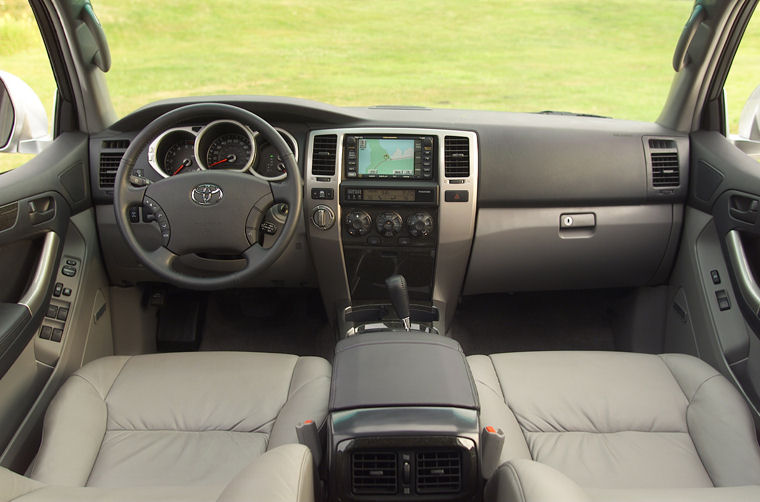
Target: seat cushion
point(176, 419)
point(620, 420)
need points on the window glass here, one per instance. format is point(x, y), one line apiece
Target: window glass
point(609, 57)
point(23, 54)
point(744, 76)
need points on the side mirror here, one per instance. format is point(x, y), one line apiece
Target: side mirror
point(749, 120)
point(23, 120)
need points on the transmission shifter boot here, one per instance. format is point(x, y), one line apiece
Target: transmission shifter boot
point(399, 298)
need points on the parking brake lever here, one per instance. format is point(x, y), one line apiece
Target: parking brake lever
point(399, 298)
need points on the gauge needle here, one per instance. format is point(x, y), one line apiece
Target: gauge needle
point(229, 158)
point(185, 163)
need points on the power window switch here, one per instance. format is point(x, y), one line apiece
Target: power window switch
point(46, 332)
point(63, 313)
point(52, 311)
point(57, 335)
point(715, 276)
point(723, 302)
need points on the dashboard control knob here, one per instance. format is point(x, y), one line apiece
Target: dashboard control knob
point(389, 223)
point(358, 222)
point(323, 217)
point(419, 224)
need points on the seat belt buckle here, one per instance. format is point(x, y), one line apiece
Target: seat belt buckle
point(308, 435)
point(491, 443)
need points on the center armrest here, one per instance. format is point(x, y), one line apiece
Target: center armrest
point(389, 369)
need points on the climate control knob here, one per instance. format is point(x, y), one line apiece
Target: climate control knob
point(419, 224)
point(358, 223)
point(389, 223)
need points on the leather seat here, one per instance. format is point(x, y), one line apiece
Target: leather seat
point(186, 420)
point(616, 426)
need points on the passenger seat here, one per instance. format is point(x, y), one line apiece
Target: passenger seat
point(584, 426)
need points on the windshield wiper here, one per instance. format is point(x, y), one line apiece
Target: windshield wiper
point(572, 114)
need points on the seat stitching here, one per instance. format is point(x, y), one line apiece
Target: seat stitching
point(678, 382)
point(287, 397)
point(108, 392)
point(516, 477)
point(688, 407)
point(504, 397)
point(255, 431)
point(300, 476)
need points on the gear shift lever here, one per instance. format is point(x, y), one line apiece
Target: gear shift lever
point(399, 298)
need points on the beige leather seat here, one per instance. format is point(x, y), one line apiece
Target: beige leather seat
point(616, 426)
point(180, 426)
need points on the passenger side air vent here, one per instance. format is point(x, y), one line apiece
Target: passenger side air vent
point(456, 153)
point(439, 471)
point(109, 164)
point(374, 473)
point(323, 156)
point(663, 155)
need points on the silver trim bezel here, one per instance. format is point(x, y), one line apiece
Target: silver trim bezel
point(247, 130)
point(153, 148)
point(288, 139)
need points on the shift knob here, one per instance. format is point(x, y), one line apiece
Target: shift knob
point(399, 297)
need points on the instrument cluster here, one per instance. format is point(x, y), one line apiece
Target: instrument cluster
point(222, 144)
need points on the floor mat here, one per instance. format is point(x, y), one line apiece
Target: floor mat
point(573, 320)
point(289, 321)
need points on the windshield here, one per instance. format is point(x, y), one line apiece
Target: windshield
point(608, 58)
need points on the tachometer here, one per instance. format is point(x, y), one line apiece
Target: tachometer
point(180, 158)
point(269, 164)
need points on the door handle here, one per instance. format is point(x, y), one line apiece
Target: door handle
point(747, 284)
point(34, 297)
point(41, 210)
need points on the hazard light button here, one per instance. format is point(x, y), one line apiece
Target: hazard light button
point(456, 195)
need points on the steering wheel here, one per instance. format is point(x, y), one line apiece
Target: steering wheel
point(211, 211)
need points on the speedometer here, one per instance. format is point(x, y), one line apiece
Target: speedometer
point(229, 151)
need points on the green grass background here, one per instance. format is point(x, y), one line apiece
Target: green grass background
point(603, 57)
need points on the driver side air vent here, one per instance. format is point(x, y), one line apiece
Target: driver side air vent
point(323, 155)
point(664, 160)
point(439, 472)
point(456, 154)
point(374, 473)
point(109, 164)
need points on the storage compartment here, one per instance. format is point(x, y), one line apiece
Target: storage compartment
point(540, 249)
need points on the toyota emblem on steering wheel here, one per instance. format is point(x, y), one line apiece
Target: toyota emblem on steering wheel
point(206, 194)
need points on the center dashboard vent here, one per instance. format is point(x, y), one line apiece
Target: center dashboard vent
point(439, 472)
point(456, 154)
point(323, 155)
point(374, 473)
point(663, 155)
point(110, 160)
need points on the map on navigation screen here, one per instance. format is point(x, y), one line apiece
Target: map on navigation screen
point(386, 157)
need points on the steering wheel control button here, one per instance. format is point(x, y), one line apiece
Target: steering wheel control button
point(323, 217)
point(157, 214)
point(207, 194)
point(456, 195)
point(134, 214)
point(358, 223)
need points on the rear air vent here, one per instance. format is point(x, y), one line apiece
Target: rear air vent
point(374, 473)
point(456, 153)
point(109, 164)
point(115, 144)
point(323, 155)
point(439, 472)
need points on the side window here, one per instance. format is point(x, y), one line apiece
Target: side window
point(26, 81)
point(742, 91)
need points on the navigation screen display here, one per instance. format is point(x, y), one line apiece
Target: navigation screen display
point(386, 157)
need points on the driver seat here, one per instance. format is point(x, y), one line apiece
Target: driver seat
point(186, 420)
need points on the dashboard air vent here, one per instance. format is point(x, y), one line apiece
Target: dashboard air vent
point(374, 473)
point(323, 155)
point(115, 144)
point(663, 155)
point(439, 472)
point(109, 164)
point(456, 153)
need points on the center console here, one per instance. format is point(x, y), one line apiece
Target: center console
point(391, 201)
point(403, 421)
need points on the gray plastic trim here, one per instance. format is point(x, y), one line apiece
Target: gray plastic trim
point(747, 285)
point(34, 297)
